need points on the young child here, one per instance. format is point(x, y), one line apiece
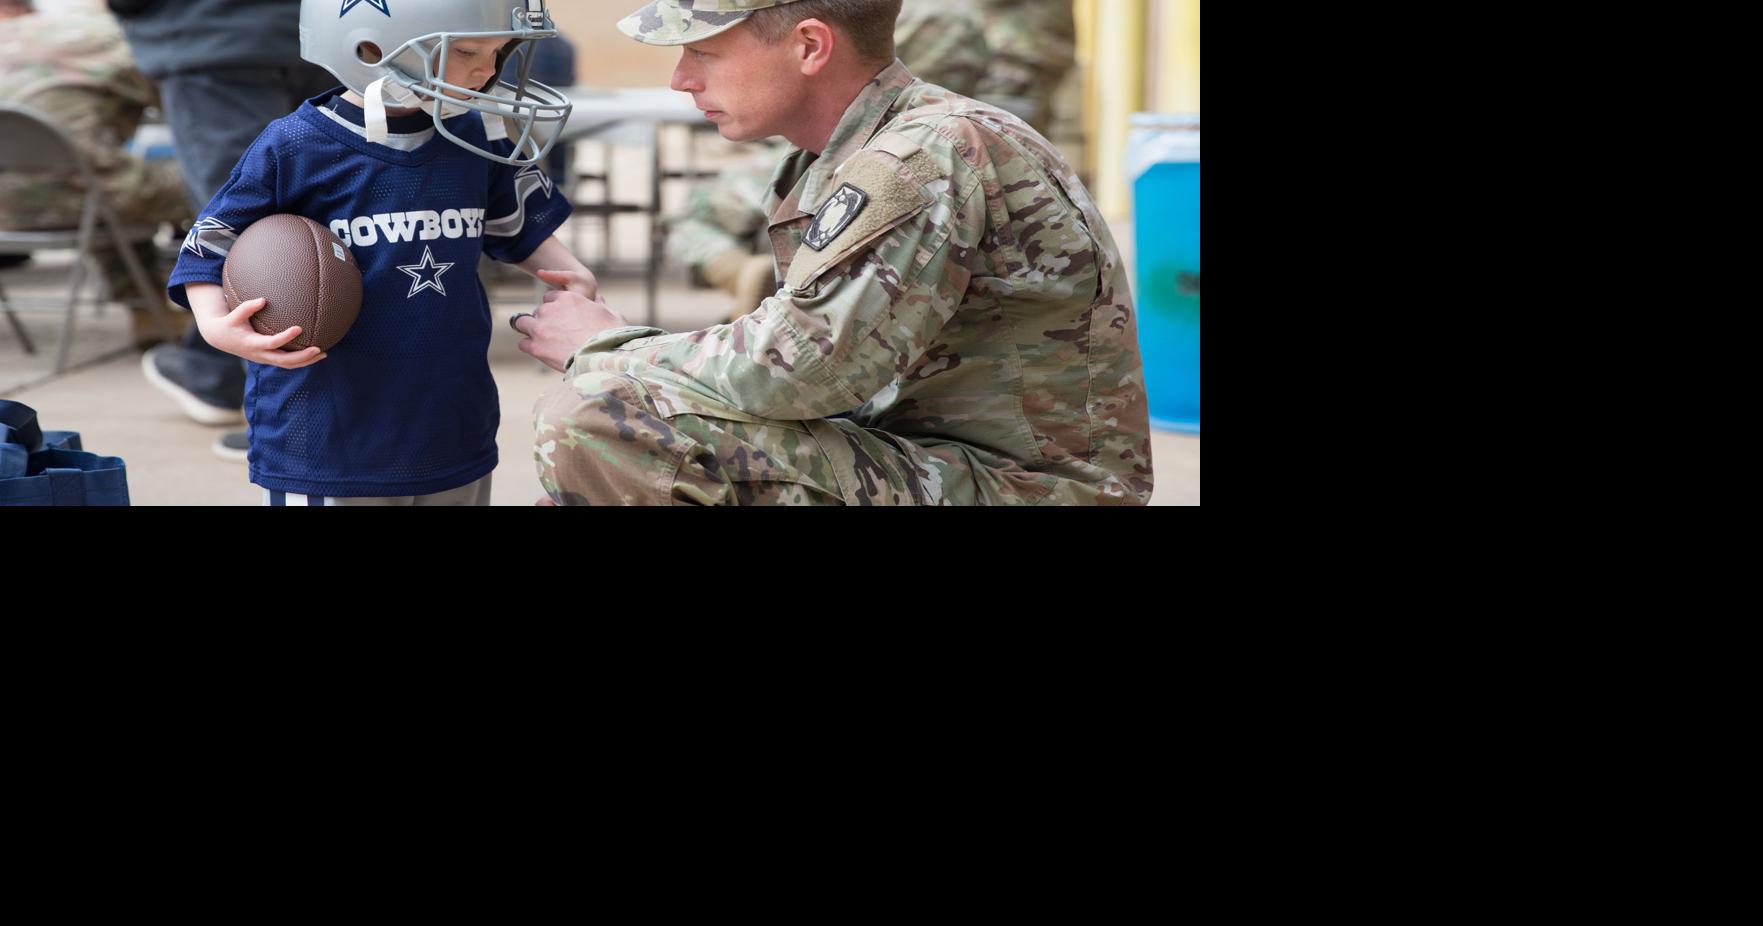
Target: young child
point(403, 411)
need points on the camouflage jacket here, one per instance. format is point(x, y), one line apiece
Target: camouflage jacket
point(948, 281)
point(77, 71)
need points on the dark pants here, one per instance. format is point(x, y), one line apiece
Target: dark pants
point(214, 116)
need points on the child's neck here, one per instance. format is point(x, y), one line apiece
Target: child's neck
point(355, 98)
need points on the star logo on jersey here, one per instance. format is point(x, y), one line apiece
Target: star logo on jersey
point(426, 275)
point(538, 173)
point(376, 4)
point(210, 238)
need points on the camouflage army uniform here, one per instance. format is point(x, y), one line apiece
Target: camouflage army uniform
point(76, 69)
point(946, 277)
point(1034, 44)
point(942, 41)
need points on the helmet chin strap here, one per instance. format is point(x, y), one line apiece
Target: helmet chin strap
point(496, 128)
point(376, 97)
point(375, 111)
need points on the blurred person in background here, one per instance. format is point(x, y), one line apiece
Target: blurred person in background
point(226, 69)
point(1034, 45)
point(717, 234)
point(74, 67)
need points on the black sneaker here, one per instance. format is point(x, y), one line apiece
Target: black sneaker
point(164, 367)
point(233, 445)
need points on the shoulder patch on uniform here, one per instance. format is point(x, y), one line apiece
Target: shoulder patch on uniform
point(835, 215)
point(878, 194)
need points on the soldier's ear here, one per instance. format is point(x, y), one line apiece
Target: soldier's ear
point(813, 42)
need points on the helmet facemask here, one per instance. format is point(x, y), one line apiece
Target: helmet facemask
point(526, 112)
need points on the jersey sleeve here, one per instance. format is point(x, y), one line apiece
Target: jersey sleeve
point(249, 195)
point(526, 208)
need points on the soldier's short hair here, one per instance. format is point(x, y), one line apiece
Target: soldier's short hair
point(868, 23)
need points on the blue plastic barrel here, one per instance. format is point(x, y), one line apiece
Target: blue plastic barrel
point(1163, 161)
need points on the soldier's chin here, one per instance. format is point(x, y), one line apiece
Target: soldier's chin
point(726, 126)
point(735, 133)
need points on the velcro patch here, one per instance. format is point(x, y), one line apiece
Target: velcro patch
point(892, 193)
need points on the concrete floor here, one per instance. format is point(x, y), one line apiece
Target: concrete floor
point(105, 397)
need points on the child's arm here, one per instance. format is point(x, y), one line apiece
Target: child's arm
point(572, 312)
point(232, 331)
point(555, 264)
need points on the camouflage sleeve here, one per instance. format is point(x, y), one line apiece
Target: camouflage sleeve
point(883, 268)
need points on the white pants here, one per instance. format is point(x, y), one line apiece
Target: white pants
point(476, 494)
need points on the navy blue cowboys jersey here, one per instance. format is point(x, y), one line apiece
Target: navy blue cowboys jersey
point(404, 404)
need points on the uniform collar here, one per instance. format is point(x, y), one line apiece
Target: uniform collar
point(859, 124)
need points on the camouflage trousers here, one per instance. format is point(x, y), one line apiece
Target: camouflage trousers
point(603, 439)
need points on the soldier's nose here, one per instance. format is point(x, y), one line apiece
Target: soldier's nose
point(683, 82)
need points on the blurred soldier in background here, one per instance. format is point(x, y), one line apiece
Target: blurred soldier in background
point(1034, 45)
point(941, 42)
point(75, 68)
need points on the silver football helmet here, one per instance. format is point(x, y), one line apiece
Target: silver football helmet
point(394, 51)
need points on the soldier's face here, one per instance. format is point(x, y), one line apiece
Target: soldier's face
point(751, 90)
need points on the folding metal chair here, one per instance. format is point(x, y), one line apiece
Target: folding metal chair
point(32, 143)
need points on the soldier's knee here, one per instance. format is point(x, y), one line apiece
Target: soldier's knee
point(593, 403)
point(598, 440)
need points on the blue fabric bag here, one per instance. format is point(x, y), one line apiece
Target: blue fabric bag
point(49, 468)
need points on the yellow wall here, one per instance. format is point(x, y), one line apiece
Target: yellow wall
point(1139, 56)
point(1119, 91)
point(1175, 57)
point(604, 57)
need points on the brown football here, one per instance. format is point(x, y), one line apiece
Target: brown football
point(308, 276)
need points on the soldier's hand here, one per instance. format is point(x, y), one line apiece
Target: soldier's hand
point(562, 324)
point(233, 333)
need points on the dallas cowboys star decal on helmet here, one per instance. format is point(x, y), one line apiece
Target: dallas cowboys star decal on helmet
point(352, 4)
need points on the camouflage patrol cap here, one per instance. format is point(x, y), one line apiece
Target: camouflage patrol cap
point(678, 22)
